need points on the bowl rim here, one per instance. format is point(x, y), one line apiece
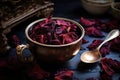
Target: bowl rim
point(49, 45)
point(95, 3)
point(113, 4)
point(100, 2)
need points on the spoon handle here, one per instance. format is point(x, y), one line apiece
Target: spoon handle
point(113, 34)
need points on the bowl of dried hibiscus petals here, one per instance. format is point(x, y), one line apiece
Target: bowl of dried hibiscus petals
point(53, 39)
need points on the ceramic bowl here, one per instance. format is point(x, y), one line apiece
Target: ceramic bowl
point(96, 7)
point(54, 53)
point(115, 9)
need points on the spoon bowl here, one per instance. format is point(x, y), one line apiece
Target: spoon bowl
point(90, 56)
point(95, 55)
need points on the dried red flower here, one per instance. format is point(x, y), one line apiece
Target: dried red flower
point(54, 32)
point(104, 76)
point(110, 66)
point(86, 22)
point(109, 25)
point(104, 50)
point(94, 44)
point(92, 31)
point(108, 70)
point(84, 41)
point(3, 63)
point(99, 24)
point(37, 73)
point(15, 40)
point(64, 75)
point(115, 44)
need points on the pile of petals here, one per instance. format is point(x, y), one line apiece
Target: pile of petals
point(104, 50)
point(54, 31)
point(109, 67)
point(94, 27)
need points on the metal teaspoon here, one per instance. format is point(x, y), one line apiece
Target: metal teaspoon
point(94, 55)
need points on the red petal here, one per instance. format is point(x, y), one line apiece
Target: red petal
point(94, 44)
point(37, 72)
point(86, 22)
point(16, 40)
point(64, 75)
point(92, 31)
point(104, 76)
point(107, 69)
point(84, 41)
point(108, 26)
point(115, 44)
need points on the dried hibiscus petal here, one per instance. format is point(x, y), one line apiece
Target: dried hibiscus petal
point(108, 70)
point(108, 26)
point(64, 75)
point(114, 64)
point(49, 19)
point(15, 40)
point(54, 32)
point(84, 41)
point(86, 22)
point(63, 23)
point(115, 44)
point(92, 31)
point(104, 76)
point(3, 63)
point(104, 50)
point(37, 73)
point(110, 66)
point(68, 37)
point(94, 44)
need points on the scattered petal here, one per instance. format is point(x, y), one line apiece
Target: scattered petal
point(86, 22)
point(104, 76)
point(15, 40)
point(94, 44)
point(104, 50)
point(115, 44)
point(92, 31)
point(108, 26)
point(37, 73)
point(110, 66)
point(84, 41)
point(64, 75)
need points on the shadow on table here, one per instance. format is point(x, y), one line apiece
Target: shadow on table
point(83, 67)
